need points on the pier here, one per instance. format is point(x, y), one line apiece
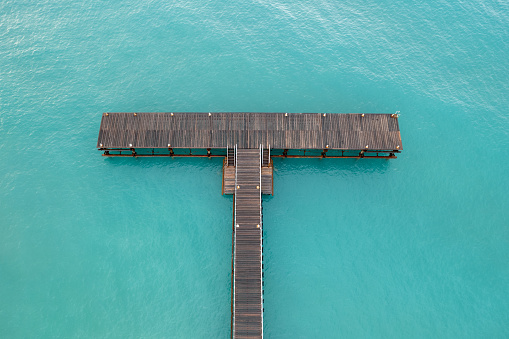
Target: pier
point(248, 142)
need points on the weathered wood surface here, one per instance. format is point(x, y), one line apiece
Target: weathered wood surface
point(267, 180)
point(248, 306)
point(229, 180)
point(249, 130)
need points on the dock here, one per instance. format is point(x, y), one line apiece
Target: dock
point(248, 142)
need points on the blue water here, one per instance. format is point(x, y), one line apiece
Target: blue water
point(415, 247)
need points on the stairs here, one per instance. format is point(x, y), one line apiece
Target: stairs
point(231, 157)
point(265, 157)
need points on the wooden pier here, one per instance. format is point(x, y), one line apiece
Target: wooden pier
point(248, 141)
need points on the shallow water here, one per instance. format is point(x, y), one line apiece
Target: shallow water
point(414, 247)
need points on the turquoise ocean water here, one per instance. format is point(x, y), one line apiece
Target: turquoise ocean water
point(416, 247)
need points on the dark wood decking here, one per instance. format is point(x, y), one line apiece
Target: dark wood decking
point(267, 180)
point(229, 180)
point(248, 296)
point(249, 130)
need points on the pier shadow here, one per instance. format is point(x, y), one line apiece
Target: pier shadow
point(166, 162)
point(330, 166)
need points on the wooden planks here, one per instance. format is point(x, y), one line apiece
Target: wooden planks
point(249, 130)
point(229, 180)
point(248, 298)
point(267, 180)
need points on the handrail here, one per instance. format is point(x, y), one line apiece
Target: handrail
point(234, 238)
point(261, 236)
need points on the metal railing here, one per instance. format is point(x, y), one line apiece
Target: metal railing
point(261, 237)
point(234, 239)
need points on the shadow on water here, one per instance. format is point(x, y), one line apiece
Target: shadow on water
point(330, 166)
point(282, 167)
point(164, 162)
point(354, 165)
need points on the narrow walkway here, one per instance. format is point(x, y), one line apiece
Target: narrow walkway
point(248, 296)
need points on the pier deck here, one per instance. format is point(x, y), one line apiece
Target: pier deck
point(250, 130)
point(248, 295)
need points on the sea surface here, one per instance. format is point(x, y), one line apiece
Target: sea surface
point(416, 247)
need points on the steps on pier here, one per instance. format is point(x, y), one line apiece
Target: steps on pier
point(229, 173)
point(267, 180)
point(228, 178)
point(265, 158)
point(230, 157)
